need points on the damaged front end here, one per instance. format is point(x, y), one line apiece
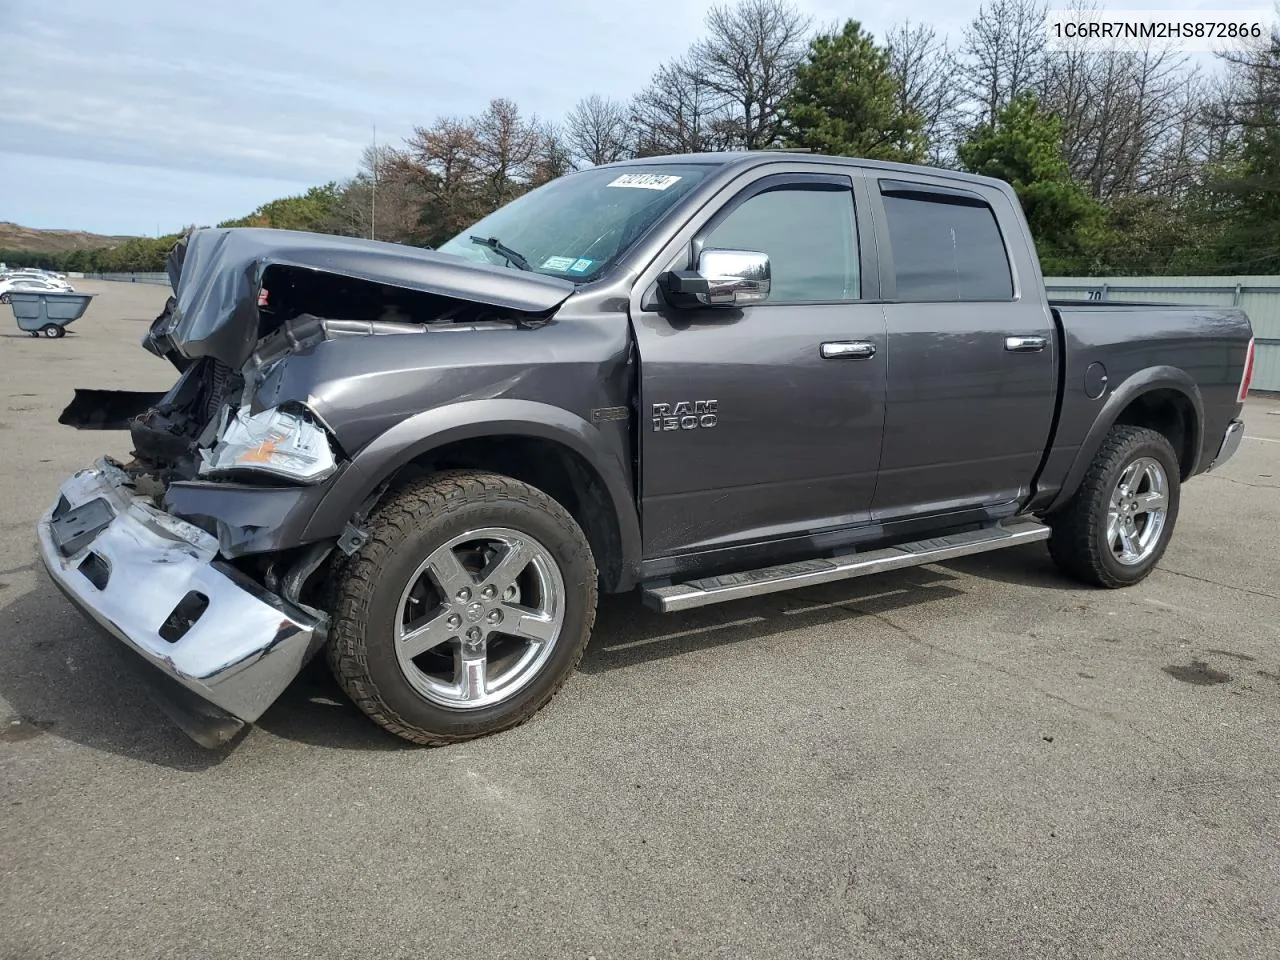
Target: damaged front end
point(195, 554)
point(228, 644)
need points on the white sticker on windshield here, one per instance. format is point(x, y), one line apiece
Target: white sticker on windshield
point(558, 263)
point(645, 181)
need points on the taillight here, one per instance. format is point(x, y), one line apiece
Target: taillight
point(1248, 372)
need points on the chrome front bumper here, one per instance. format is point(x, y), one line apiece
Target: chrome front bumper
point(153, 581)
point(1231, 438)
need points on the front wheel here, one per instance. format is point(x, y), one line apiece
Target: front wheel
point(1116, 527)
point(52, 331)
point(465, 611)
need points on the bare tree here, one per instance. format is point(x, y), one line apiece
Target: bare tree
point(1249, 92)
point(598, 130)
point(553, 158)
point(1130, 119)
point(925, 68)
point(747, 63)
point(445, 152)
point(675, 113)
point(442, 161)
point(1003, 53)
point(506, 150)
point(379, 192)
point(1158, 107)
point(1190, 146)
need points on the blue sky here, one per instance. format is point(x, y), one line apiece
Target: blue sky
point(136, 116)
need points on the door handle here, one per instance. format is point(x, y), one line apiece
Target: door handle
point(1025, 344)
point(848, 350)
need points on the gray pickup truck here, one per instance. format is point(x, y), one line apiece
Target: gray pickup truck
point(699, 378)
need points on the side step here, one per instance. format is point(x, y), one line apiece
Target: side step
point(808, 573)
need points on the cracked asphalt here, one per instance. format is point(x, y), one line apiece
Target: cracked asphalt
point(974, 759)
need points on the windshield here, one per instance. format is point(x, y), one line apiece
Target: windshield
point(576, 226)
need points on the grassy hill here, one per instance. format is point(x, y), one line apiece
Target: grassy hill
point(31, 240)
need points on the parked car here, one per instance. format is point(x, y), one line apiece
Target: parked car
point(39, 273)
point(700, 378)
point(31, 282)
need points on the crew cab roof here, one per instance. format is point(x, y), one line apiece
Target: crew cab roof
point(744, 159)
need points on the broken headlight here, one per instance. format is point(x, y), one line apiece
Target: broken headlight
point(281, 442)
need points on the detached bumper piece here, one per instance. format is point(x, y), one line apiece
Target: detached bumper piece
point(224, 647)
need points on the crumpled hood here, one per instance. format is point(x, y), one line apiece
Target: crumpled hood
point(217, 274)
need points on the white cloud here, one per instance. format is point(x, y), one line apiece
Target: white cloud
point(263, 94)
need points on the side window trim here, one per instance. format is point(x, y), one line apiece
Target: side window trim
point(845, 182)
point(924, 190)
point(887, 271)
point(872, 247)
point(911, 188)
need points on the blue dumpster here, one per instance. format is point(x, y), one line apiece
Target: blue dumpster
point(42, 312)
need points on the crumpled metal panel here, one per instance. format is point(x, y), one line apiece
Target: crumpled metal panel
point(219, 275)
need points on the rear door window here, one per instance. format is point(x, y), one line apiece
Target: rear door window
point(946, 248)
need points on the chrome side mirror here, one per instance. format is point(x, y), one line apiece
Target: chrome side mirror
point(735, 278)
point(724, 278)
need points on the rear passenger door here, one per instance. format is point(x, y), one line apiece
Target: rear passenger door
point(972, 367)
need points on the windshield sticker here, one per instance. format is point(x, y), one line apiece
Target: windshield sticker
point(581, 266)
point(645, 181)
point(557, 263)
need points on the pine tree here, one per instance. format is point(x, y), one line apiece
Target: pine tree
point(1024, 148)
point(846, 101)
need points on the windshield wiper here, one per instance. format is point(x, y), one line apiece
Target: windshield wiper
point(502, 250)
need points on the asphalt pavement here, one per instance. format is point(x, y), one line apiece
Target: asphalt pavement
point(973, 759)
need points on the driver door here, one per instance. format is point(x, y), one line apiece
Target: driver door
point(764, 422)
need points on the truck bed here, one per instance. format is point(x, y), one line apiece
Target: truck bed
point(1108, 347)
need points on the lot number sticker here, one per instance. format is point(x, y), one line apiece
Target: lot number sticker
point(645, 181)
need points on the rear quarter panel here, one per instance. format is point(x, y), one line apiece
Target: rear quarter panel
point(1199, 351)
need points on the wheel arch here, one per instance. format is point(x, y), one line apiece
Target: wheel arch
point(1165, 399)
point(548, 447)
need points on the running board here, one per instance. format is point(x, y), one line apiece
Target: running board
point(808, 573)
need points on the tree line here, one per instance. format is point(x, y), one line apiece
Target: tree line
point(1135, 162)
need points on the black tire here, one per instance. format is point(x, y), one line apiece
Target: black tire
point(52, 331)
point(366, 591)
point(1078, 543)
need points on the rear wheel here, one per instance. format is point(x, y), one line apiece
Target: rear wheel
point(1116, 527)
point(52, 331)
point(465, 611)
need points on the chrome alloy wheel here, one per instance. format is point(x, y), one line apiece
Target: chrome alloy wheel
point(1138, 510)
point(479, 618)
